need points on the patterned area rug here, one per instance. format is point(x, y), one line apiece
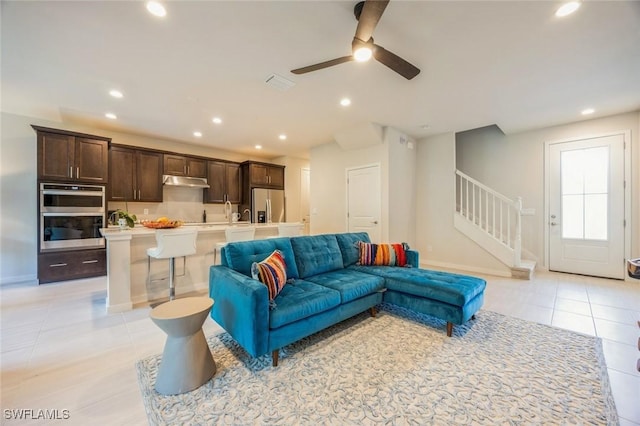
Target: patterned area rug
point(400, 368)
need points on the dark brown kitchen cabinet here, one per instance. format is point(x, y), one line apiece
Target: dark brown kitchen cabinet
point(136, 175)
point(264, 175)
point(72, 157)
point(180, 165)
point(224, 182)
point(70, 265)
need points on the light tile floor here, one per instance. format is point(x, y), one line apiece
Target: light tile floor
point(61, 350)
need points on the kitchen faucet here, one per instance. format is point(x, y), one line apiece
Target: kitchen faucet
point(247, 211)
point(228, 208)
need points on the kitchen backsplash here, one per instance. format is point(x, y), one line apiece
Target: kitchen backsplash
point(180, 203)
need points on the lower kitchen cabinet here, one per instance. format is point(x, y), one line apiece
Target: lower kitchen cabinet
point(70, 265)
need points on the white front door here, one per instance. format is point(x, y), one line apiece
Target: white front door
point(364, 201)
point(586, 206)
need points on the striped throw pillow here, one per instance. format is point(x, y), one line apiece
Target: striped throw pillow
point(382, 254)
point(272, 272)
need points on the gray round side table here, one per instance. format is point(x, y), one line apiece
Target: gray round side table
point(187, 362)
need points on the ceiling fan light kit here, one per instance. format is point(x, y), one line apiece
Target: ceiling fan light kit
point(368, 14)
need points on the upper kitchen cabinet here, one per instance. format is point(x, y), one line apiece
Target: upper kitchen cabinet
point(180, 165)
point(136, 175)
point(224, 182)
point(264, 175)
point(72, 157)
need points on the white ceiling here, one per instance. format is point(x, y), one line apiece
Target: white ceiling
point(513, 64)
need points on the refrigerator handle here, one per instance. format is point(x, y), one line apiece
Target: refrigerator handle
point(269, 218)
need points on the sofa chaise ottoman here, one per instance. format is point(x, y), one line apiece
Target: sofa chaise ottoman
point(453, 298)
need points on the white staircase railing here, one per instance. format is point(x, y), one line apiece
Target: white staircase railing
point(489, 218)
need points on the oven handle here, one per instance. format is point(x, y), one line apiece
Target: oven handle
point(71, 192)
point(97, 214)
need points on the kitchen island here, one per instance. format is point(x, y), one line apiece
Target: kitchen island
point(127, 263)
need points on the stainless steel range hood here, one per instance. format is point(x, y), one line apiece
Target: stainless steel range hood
point(191, 182)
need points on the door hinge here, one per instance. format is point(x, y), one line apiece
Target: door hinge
point(624, 223)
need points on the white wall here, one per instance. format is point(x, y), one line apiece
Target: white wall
point(402, 189)
point(397, 162)
point(329, 189)
point(18, 190)
point(514, 165)
point(438, 242)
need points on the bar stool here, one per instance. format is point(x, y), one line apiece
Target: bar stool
point(233, 234)
point(172, 243)
point(292, 229)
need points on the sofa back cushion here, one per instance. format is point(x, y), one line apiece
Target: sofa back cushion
point(316, 254)
point(348, 243)
point(240, 255)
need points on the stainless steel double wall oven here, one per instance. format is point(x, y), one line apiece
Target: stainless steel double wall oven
point(71, 216)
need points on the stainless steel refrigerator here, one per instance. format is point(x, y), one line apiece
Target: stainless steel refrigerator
point(267, 205)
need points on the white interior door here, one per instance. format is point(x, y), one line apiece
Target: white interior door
point(586, 206)
point(305, 191)
point(364, 201)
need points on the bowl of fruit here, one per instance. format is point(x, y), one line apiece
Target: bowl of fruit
point(161, 223)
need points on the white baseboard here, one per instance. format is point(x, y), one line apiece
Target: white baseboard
point(467, 268)
point(19, 279)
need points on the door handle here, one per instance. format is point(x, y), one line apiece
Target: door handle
point(553, 223)
point(375, 222)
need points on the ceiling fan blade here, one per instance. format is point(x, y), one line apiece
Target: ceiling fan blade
point(322, 65)
point(371, 12)
point(395, 62)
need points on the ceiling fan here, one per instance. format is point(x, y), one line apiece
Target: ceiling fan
point(368, 14)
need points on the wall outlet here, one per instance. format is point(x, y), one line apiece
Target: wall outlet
point(145, 211)
point(429, 248)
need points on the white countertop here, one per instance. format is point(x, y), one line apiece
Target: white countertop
point(140, 230)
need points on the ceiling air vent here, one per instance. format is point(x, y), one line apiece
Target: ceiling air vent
point(279, 82)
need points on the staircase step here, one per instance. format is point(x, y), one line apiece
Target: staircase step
point(525, 270)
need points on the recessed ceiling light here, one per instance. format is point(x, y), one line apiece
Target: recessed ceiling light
point(425, 127)
point(567, 8)
point(156, 8)
point(217, 120)
point(197, 134)
point(258, 146)
point(588, 111)
point(116, 93)
point(282, 137)
point(111, 116)
point(345, 102)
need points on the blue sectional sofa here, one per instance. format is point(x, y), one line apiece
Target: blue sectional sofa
point(326, 286)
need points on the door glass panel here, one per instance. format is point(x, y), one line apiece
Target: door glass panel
point(596, 169)
point(595, 216)
point(585, 184)
point(572, 174)
point(572, 217)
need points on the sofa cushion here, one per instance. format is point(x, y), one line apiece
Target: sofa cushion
point(241, 255)
point(300, 299)
point(271, 272)
point(445, 287)
point(382, 254)
point(348, 243)
point(351, 284)
point(316, 254)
